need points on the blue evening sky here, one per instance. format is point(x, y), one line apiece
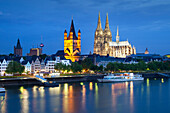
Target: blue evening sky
point(145, 23)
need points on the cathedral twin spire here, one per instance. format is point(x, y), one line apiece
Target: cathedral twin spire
point(107, 22)
point(99, 26)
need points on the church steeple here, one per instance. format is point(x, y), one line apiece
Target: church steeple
point(18, 44)
point(18, 49)
point(99, 26)
point(117, 36)
point(107, 22)
point(72, 30)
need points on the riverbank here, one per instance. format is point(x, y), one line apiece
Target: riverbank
point(64, 79)
point(61, 79)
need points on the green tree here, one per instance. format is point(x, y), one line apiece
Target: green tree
point(86, 63)
point(152, 66)
point(94, 68)
point(109, 66)
point(75, 67)
point(141, 65)
point(100, 68)
point(14, 67)
point(59, 66)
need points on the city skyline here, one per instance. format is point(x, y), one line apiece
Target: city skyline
point(144, 23)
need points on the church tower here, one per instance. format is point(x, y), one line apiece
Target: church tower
point(107, 37)
point(98, 41)
point(72, 44)
point(18, 49)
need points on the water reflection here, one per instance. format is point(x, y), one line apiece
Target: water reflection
point(88, 97)
point(131, 96)
point(24, 100)
point(2, 102)
point(91, 86)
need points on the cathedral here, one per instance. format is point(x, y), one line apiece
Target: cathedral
point(72, 44)
point(103, 44)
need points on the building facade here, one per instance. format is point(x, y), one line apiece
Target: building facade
point(35, 51)
point(103, 44)
point(72, 44)
point(18, 49)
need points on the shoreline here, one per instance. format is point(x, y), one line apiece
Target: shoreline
point(64, 79)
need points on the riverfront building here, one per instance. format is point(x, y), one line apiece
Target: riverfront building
point(72, 44)
point(103, 44)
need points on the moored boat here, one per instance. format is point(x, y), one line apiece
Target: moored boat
point(2, 90)
point(121, 77)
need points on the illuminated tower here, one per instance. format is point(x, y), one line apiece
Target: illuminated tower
point(146, 51)
point(107, 37)
point(41, 45)
point(98, 41)
point(18, 49)
point(72, 44)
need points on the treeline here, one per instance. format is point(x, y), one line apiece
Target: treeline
point(141, 66)
point(75, 67)
point(87, 65)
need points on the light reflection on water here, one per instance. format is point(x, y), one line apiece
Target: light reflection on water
point(89, 97)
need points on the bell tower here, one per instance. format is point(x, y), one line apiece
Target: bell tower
point(72, 44)
point(107, 37)
point(98, 40)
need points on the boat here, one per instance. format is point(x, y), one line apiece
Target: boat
point(2, 90)
point(121, 77)
point(51, 84)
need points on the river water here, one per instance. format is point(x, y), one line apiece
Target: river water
point(148, 96)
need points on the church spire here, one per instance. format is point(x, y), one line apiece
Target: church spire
point(73, 30)
point(117, 36)
point(107, 22)
point(99, 26)
point(18, 44)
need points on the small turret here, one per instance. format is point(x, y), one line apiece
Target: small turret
point(146, 51)
point(117, 36)
point(65, 35)
point(79, 34)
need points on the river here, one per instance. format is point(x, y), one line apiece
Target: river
point(148, 96)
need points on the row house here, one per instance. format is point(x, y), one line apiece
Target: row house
point(43, 66)
point(33, 64)
point(3, 65)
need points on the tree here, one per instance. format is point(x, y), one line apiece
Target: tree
point(100, 68)
point(14, 67)
point(152, 66)
point(43, 56)
point(11, 54)
point(75, 67)
point(86, 63)
point(94, 68)
point(59, 66)
point(109, 66)
point(141, 65)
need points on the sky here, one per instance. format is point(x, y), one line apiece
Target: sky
point(144, 23)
